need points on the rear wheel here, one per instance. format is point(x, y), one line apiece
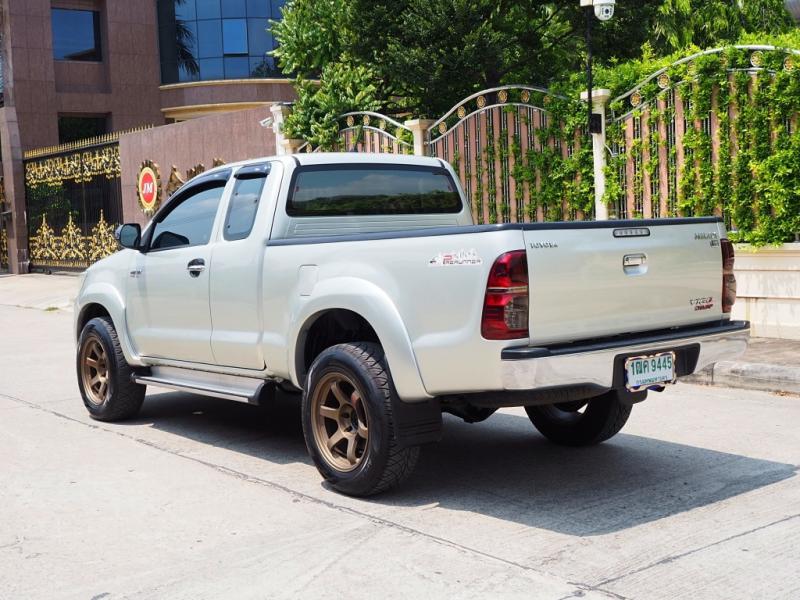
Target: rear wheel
point(581, 423)
point(348, 422)
point(104, 377)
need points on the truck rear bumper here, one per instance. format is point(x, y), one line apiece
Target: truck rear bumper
point(599, 362)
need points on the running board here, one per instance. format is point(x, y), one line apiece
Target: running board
point(228, 387)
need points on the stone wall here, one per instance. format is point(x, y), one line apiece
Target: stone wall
point(229, 137)
point(769, 290)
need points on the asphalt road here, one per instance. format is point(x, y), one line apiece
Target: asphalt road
point(199, 498)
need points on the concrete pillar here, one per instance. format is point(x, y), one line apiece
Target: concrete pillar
point(600, 100)
point(292, 145)
point(279, 113)
point(419, 129)
point(14, 183)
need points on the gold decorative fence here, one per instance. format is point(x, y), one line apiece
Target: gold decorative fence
point(74, 200)
point(3, 247)
point(71, 249)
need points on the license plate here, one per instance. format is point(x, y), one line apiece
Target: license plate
point(641, 372)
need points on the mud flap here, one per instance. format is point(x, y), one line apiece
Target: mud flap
point(417, 423)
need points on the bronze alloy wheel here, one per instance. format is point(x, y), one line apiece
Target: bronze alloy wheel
point(340, 422)
point(94, 370)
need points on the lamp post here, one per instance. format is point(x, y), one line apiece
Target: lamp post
point(604, 11)
point(793, 6)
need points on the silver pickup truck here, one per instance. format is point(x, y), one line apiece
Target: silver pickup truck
point(359, 283)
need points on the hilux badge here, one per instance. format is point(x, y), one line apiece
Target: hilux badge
point(705, 236)
point(537, 245)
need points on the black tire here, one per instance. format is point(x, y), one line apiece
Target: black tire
point(122, 398)
point(563, 424)
point(383, 463)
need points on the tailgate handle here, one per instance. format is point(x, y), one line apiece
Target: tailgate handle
point(634, 264)
point(634, 260)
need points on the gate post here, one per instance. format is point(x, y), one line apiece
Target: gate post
point(279, 111)
point(600, 99)
point(419, 127)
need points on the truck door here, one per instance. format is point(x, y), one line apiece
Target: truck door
point(168, 313)
point(236, 264)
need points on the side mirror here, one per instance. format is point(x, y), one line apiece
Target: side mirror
point(129, 235)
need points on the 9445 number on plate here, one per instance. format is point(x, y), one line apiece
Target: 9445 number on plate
point(641, 372)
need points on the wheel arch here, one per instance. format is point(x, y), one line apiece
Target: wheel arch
point(367, 311)
point(90, 311)
point(103, 299)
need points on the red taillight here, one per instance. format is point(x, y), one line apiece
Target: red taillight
point(505, 307)
point(728, 278)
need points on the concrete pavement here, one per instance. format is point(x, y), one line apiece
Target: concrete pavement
point(199, 498)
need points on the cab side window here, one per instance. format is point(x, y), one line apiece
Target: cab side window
point(190, 222)
point(243, 208)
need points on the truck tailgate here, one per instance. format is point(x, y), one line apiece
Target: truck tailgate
point(590, 280)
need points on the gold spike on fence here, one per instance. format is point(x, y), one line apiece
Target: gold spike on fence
point(98, 140)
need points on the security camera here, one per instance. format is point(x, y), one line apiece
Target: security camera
point(793, 6)
point(604, 9)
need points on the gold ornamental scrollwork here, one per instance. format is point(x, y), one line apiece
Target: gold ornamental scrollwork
point(78, 167)
point(44, 244)
point(195, 171)
point(72, 243)
point(101, 242)
point(217, 162)
point(3, 248)
point(72, 249)
point(174, 182)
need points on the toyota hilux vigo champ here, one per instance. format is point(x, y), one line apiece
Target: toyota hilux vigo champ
point(359, 283)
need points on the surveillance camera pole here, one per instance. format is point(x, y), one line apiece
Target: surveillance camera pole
point(596, 103)
point(589, 75)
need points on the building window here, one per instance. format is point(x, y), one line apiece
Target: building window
point(76, 35)
point(72, 129)
point(200, 40)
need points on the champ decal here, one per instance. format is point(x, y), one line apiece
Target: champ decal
point(702, 303)
point(456, 258)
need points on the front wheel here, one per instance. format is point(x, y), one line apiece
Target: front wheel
point(348, 423)
point(104, 378)
point(581, 423)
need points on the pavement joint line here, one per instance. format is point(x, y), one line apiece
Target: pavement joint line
point(582, 587)
point(669, 559)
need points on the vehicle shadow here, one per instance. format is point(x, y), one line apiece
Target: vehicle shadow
point(501, 468)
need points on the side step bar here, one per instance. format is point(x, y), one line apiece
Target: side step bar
point(228, 387)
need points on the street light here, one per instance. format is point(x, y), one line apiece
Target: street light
point(793, 6)
point(603, 10)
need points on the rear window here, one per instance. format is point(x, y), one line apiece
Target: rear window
point(338, 190)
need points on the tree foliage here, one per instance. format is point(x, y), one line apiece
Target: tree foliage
point(421, 56)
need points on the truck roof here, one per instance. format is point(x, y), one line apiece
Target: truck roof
point(327, 158)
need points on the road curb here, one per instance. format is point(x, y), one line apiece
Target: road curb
point(752, 376)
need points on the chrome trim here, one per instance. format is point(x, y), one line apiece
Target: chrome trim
point(597, 367)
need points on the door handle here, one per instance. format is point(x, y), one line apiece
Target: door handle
point(196, 266)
